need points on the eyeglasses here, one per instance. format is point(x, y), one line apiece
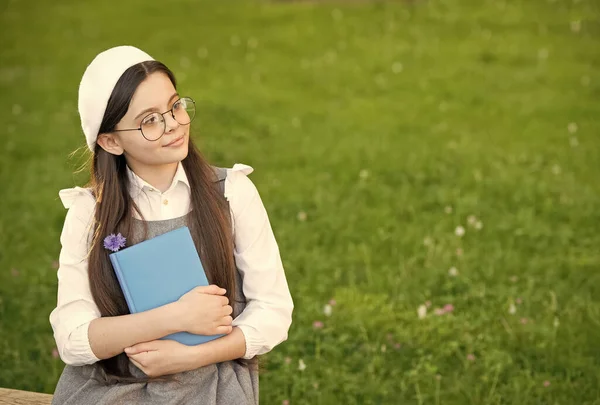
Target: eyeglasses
point(153, 126)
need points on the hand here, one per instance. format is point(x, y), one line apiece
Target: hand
point(205, 311)
point(161, 357)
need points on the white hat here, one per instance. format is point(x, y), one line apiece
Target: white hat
point(97, 85)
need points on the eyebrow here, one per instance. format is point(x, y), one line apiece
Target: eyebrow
point(152, 109)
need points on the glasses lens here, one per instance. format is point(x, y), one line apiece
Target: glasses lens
point(184, 110)
point(153, 126)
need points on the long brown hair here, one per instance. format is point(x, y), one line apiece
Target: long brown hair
point(209, 219)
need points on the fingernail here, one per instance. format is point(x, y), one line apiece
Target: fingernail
point(127, 349)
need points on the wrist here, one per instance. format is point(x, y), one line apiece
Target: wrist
point(174, 317)
point(197, 357)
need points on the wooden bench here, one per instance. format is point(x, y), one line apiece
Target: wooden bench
point(16, 397)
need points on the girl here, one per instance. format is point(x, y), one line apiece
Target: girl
point(148, 178)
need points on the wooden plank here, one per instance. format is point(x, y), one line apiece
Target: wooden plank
point(17, 397)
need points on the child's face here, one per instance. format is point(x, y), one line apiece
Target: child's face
point(155, 94)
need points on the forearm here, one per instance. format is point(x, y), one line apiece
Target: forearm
point(108, 336)
point(229, 347)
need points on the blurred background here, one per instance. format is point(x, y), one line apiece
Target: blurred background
point(430, 168)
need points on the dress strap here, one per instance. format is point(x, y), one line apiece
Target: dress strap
point(221, 174)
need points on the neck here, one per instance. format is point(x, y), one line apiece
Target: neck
point(158, 176)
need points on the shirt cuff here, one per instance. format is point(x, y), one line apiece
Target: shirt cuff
point(253, 345)
point(78, 350)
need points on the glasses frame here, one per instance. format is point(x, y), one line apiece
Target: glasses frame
point(164, 121)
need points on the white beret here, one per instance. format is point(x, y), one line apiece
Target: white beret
point(98, 82)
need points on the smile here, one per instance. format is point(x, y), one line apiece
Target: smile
point(175, 142)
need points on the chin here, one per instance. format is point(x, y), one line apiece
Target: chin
point(179, 154)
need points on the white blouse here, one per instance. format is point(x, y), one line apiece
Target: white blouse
point(268, 314)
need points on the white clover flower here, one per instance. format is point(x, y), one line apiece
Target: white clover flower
point(459, 231)
point(422, 311)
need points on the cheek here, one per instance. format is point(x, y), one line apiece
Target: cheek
point(140, 149)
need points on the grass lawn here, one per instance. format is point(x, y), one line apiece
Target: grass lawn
point(378, 131)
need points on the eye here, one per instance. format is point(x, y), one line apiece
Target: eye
point(178, 105)
point(151, 119)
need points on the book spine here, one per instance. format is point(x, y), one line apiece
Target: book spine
point(121, 277)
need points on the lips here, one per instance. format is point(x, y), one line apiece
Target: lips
point(174, 141)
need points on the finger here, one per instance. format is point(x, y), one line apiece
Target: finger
point(138, 365)
point(227, 310)
point(224, 330)
point(226, 321)
point(139, 358)
point(224, 300)
point(131, 350)
point(140, 347)
point(144, 358)
point(211, 289)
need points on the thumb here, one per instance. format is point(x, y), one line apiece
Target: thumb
point(139, 348)
point(212, 289)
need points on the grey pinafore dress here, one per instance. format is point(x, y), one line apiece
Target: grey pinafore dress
point(227, 383)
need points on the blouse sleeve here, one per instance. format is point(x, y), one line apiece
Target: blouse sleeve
point(75, 305)
point(267, 316)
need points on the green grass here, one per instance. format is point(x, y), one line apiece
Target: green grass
point(371, 118)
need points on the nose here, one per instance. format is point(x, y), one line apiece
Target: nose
point(170, 123)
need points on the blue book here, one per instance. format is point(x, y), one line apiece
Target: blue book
point(159, 271)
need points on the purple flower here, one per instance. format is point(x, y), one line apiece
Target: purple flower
point(448, 308)
point(114, 242)
point(471, 357)
point(546, 383)
point(317, 324)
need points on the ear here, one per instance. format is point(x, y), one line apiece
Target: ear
point(110, 143)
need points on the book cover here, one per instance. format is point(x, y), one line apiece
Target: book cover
point(159, 271)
